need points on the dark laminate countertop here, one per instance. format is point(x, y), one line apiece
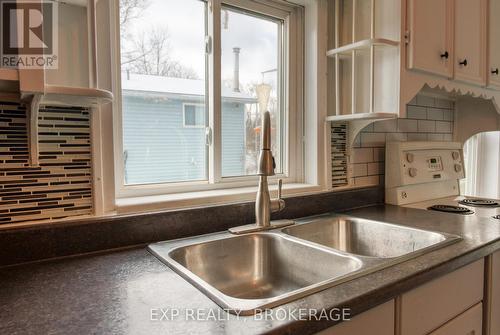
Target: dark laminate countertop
point(114, 293)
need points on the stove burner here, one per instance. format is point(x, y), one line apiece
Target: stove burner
point(496, 217)
point(479, 202)
point(451, 209)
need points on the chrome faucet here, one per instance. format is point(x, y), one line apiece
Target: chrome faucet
point(264, 205)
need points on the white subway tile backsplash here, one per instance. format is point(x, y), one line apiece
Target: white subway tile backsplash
point(434, 114)
point(391, 137)
point(423, 100)
point(359, 170)
point(448, 137)
point(428, 119)
point(417, 136)
point(375, 168)
point(367, 181)
point(407, 126)
point(426, 126)
point(416, 112)
point(372, 140)
point(443, 127)
point(448, 115)
point(386, 126)
point(444, 103)
point(378, 154)
point(435, 137)
point(362, 155)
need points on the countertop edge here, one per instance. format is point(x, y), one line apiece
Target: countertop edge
point(381, 295)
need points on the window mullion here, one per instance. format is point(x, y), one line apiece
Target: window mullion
point(214, 90)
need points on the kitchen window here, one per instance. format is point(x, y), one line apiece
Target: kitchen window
point(195, 78)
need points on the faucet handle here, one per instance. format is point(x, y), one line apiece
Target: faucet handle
point(278, 204)
point(280, 186)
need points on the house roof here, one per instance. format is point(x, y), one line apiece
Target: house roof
point(186, 88)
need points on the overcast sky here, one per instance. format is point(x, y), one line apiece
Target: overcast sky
point(257, 38)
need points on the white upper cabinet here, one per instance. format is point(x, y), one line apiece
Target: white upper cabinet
point(430, 31)
point(470, 41)
point(449, 38)
point(494, 41)
point(383, 52)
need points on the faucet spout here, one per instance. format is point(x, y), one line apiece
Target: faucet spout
point(265, 166)
point(266, 131)
point(264, 205)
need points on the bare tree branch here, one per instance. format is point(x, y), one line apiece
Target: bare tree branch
point(151, 54)
point(148, 53)
point(131, 9)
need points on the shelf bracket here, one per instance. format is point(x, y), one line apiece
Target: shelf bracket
point(32, 127)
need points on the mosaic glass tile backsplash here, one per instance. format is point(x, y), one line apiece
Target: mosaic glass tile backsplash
point(61, 185)
point(339, 154)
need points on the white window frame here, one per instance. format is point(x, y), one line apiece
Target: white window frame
point(293, 123)
point(184, 104)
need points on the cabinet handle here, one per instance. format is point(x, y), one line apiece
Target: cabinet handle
point(445, 55)
point(464, 62)
point(495, 71)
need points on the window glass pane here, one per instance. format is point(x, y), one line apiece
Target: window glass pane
point(163, 70)
point(251, 56)
point(189, 116)
point(194, 116)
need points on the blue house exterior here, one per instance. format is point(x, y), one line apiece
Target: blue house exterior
point(164, 130)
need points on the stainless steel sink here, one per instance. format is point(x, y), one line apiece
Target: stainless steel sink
point(365, 237)
point(246, 273)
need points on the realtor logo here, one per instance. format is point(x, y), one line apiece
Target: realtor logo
point(28, 33)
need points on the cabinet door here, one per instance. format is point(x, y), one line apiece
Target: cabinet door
point(494, 40)
point(467, 323)
point(433, 304)
point(470, 41)
point(493, 300)
point(376, 321)
point(430, 25)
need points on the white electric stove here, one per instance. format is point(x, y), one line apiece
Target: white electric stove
point(426, 175)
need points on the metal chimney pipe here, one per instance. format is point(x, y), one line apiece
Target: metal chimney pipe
point(236, 74)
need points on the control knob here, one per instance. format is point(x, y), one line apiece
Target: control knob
point(455, 155)
point(458, 168)
point(412, 172)
point(409, 157)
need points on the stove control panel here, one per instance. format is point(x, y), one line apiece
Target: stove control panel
point(434, 164)
point(430, 165)
point(419, 171)
point(409, 163)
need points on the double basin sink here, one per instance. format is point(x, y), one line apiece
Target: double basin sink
point(247, 273)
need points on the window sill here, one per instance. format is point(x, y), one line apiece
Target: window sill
point(205, 198)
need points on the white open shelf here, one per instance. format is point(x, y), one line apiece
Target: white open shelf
point(364, 44)
point(362, 116)
point(366, 60)
point(75, 96)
